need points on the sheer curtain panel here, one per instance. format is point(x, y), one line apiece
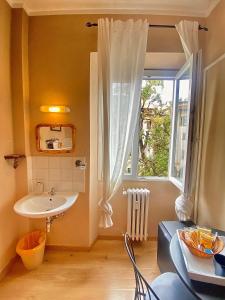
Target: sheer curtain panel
point(121, 55)
point(188, 32)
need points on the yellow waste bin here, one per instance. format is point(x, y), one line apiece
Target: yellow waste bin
point(31, 249)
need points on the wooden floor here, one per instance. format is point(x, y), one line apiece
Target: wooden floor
point(104, 273)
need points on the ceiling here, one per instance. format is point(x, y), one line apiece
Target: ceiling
point(196, 8)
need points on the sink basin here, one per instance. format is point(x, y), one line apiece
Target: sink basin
point(44, 205)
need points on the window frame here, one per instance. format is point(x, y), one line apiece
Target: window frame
point(150, 74)
point(169, 75)
point(191, 62)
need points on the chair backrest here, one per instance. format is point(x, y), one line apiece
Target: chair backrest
point(142, 288)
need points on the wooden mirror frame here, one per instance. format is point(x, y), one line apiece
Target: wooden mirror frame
point(54, 125)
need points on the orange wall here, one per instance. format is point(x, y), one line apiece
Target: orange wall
point(10, 224)
point(211, 206)
point(59, 73)
point(20, 94)
point(212, 192)
point(215, 41)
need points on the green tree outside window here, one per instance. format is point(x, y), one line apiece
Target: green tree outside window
point(154, 134)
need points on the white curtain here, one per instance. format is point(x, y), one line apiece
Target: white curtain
point(188, 32)
point(121, 55)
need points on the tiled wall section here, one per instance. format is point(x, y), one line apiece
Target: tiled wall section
point(58, 172)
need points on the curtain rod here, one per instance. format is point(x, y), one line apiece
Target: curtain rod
point(200, 27)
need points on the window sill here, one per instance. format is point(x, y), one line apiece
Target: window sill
point(147, 178)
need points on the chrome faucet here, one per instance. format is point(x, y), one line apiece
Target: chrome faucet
point(52, 192)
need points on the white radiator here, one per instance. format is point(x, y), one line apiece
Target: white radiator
point(137, 213)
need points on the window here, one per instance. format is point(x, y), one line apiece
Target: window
point(161, 147)
point(182, 125)
point(150, 154)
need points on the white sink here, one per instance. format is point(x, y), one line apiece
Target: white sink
point(44, 205)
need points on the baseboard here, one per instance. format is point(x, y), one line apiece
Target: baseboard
point(94, 242)
point(110, 237)
point(8, 267)
point(120, 237)
point(70, 248)
point(85, 249)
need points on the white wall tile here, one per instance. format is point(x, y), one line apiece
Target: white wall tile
point(54, 162)
point(40, 174)
point(58, 172)
point(34, 185)
point(66, 175)
point(78, 175)
point(66, 186)
point(29, 174)
point(66, 162)
point(54, 174)
point(29, 162)
point(33, 163)
point(46, 188)
point(30, 185)
point(40, 162)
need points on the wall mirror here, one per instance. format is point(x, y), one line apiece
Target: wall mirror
point(55, 138)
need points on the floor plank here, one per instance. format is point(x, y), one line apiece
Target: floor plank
point(104, 273)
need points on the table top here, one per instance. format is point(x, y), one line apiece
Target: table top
point(201, 290)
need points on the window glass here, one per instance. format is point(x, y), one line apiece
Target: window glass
point(155, 127)
point(164, 121)
point(180, 139)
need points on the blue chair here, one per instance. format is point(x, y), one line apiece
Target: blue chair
point(167, 286)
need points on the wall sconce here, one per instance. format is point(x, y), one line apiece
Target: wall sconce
point(55, 108)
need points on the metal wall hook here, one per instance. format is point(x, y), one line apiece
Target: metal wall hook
point(80, 164)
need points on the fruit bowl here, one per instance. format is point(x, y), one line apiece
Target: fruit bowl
point(192, 245)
